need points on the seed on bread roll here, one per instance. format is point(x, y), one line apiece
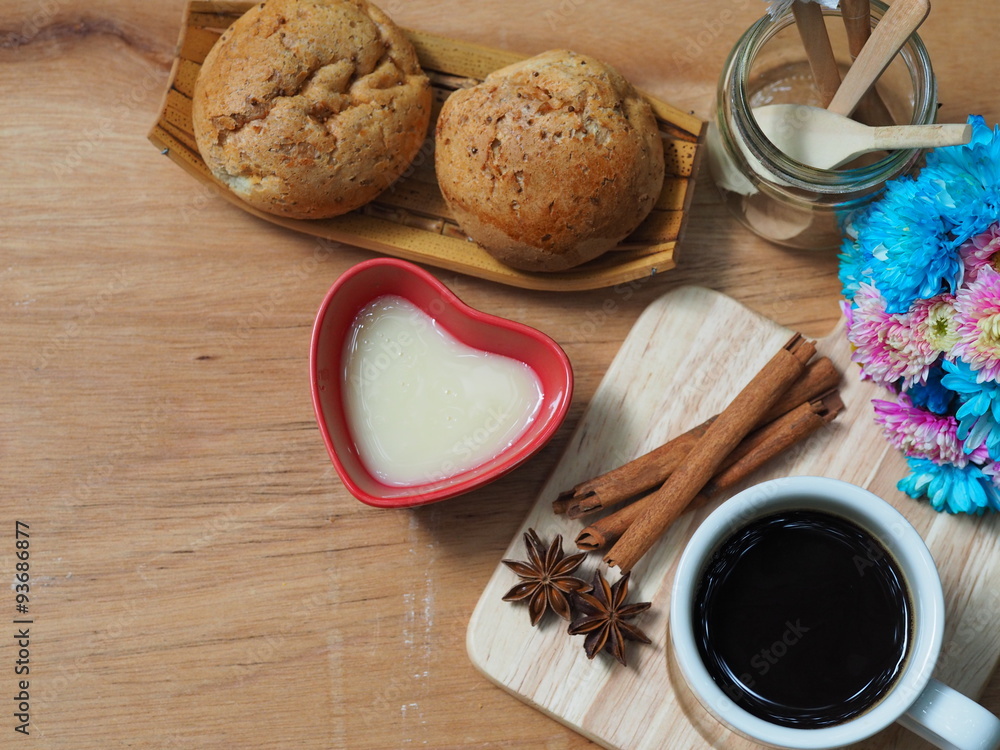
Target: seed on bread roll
point(311, 108)
point(549, 162)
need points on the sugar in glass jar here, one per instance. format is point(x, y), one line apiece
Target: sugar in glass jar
point(773, 195)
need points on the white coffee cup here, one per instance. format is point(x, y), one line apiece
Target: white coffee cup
point(935, 711)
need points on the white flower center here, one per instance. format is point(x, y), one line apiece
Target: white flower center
point(941, 333)
point(989, 329)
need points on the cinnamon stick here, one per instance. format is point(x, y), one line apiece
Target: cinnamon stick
point(753, 452)
point(651, 469)
point(630, 479)
point(711, 450)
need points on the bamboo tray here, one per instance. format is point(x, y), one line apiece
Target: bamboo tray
point(411, 220)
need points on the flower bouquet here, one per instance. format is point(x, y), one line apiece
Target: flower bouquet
point(920, 270)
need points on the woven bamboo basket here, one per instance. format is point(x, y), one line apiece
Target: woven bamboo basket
point(410, 220)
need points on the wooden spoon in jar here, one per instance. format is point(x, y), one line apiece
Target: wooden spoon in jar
point(889, 35)
point(808, 15)
point(857, 17)
point(825, 140)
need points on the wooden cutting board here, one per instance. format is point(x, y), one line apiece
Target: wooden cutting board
point(684, 359)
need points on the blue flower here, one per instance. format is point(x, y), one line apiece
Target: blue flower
point(906, 246)
point(855, 266)
point(969, 180)
point(949, 488)
point(905, 240)
point(932, 395)
point(979, 415)
point(906, 243)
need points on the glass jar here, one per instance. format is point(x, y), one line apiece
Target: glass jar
point(773, 195)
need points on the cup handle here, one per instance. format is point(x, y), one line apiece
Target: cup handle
point(949, 720)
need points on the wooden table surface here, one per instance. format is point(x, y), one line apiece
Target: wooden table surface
point(199, 576)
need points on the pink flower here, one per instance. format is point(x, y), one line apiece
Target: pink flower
point(923, 434)
point(992, 470)
point(979, 252)
point(848, 309)
point(977, 320)
point(889, 347)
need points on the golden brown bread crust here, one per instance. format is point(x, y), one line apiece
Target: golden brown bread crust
point(311, 108)
point(549, 162)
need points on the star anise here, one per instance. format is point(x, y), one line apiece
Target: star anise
point(545, 578)
point(603, 615)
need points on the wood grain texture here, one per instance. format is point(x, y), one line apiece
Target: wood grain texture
point(203, 579)
point(689, 353)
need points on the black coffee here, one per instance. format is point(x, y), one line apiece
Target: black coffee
point(803, 619)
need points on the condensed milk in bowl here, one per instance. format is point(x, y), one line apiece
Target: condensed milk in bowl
point(418, 396)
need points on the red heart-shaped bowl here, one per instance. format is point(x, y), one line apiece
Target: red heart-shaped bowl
point(375, 278)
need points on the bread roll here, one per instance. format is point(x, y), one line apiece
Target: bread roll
point(311, 108)
point(549, 162)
